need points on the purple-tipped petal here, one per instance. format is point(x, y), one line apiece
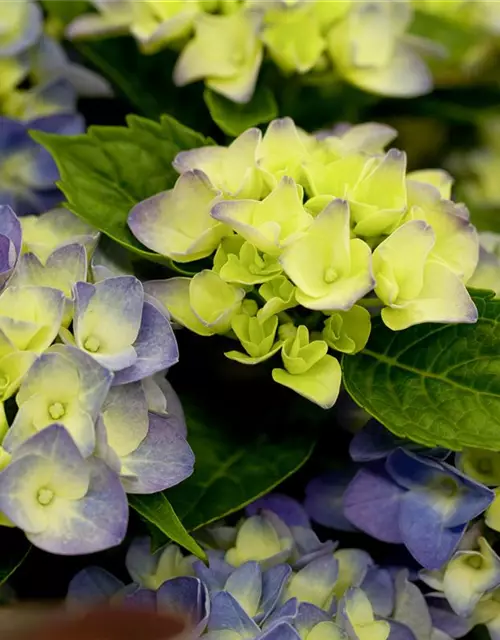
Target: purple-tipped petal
point(48, 461)
point(372, 502)
point(458, 498)
point(325, 496)
point(286, 613)
point(400, 631)
point(227, 614)
point(162, 399)
point(188, 597)
point(308, 617)
point(289, 510)
point(315, 583)
point(96, 522)
point(69, 515)
point(62, 269)
point(92, 585)
point(445, 619)
point(214, 581)
point(245, 585)
point(379, 587)
point(162, 460)
point(102, 448)
point(8, 259)
point(156, 347)
point(10, 230)
point(124, 415)
point(108, 318)
point(425, 534)
point(74, 383)
point(140, 561)
point(273, 583)
point(309, 547)
point(410, 607)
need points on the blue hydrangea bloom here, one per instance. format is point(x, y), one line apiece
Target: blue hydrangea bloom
point(27, 171)
point(422, 503)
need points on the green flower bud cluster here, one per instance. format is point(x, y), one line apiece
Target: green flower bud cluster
point(364, 42)
point(302, 239)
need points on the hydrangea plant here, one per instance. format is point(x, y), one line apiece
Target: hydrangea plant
point(329, 259)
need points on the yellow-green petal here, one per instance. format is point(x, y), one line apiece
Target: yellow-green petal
point(320, 384)
point(348, 331)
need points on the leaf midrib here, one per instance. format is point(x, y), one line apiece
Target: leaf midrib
point(220, 473)
point(425, 374)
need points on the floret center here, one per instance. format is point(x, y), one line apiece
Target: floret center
point(45, 496)
point(56, 410)
point(92, 344)
point(330, 275)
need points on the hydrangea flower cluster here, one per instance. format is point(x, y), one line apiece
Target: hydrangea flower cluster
point(225, 42)
point(270, 578)
point(301, 235)
point(401, 493)
point(39, 86)
point(82, 370)
point(28, 56)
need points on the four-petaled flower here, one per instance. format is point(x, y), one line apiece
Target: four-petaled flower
point(422, 503)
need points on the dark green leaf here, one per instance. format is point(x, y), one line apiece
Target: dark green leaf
point(456, 37)
point(479, 632)
point(66, 10)
point(486, 218)
point(234, 118)
point(146, 80)
point(434, 384)
point(106, 171)
point(158, 510)
point(485, 294)
point(232, 468)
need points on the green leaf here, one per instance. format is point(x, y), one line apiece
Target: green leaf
point(485, 294)
point(106, 171)
point(485, 218)
point(234, 118)
point(232, 468)
point(157, 510)
point(66, 10)
point(455, 37)
point(435, 384)
point(146, 80)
